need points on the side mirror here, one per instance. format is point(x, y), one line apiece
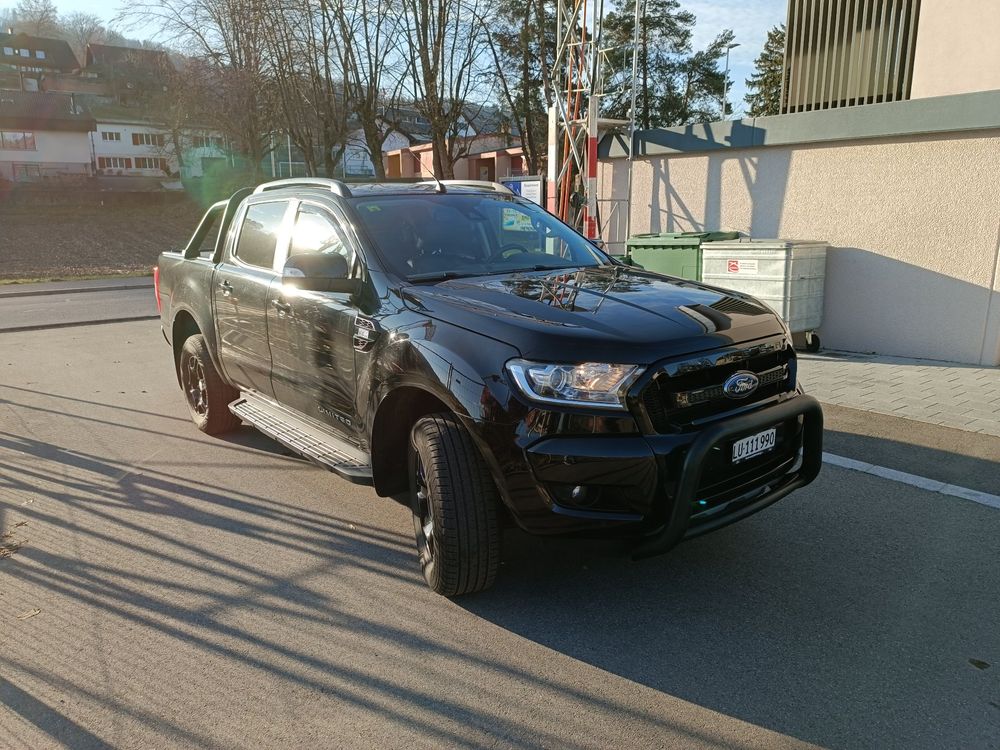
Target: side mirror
point(318, 272)
point(599, 244)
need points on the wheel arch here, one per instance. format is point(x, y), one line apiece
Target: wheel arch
point(184, 327)
point(397, 412)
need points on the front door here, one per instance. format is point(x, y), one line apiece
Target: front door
point(311, 333)
point(242, 283)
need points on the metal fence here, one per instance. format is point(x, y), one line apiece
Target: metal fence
point(839, 53)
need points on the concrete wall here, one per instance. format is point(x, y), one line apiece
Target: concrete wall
point(957, 49)
point(914, 224)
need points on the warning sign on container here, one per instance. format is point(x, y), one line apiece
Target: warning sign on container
point(747, 267)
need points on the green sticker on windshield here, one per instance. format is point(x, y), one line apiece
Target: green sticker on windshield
point(372, 207)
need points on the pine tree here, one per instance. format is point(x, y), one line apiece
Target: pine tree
point(674, 84)
point(764, 95)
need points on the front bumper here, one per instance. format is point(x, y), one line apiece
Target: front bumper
point(662, 488)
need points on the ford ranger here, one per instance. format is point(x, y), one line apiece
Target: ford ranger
point(466, 353)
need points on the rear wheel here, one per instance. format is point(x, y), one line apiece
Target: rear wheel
point(208, 395)
point(454, 503)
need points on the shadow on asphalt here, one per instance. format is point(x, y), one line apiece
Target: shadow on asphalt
point(867, 644)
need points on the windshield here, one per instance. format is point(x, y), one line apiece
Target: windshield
point(426, 237)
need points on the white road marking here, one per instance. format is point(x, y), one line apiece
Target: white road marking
point(931, 485)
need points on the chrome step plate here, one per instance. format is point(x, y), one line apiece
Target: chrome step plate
point(316, 444)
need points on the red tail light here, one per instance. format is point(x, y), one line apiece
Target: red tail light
point(156, 287)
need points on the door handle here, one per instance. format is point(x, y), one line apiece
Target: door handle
point(226, 288)
point(283, 308)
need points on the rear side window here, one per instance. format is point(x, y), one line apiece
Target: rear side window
point(259, 233)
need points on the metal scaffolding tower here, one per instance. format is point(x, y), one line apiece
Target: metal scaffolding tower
point(575, 126)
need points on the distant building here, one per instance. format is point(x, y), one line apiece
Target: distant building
point(127, 142)
point(843, 53)
point(489, 158)
point(25, 59)
point(132, 75)
point(43, 135)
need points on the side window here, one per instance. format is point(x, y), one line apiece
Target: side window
point(316, 231)
point(259, 233)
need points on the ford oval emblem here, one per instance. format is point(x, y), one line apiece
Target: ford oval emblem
point(740, 384)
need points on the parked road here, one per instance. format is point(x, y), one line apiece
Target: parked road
point(176, 590)
point(38, 306)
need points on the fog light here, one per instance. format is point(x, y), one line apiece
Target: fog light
point(578, 493)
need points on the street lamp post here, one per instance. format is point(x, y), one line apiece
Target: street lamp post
point(725, 82)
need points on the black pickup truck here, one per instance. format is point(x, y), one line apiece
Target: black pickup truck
point(469, 355)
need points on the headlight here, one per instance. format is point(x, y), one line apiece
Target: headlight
point(589, 384)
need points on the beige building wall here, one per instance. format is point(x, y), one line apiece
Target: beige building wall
point(914, 224)
point(957, 48)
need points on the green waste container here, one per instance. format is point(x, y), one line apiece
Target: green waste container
point(673, 253)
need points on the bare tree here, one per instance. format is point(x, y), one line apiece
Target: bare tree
point(445, 40)
point(374, 67)
point(81, 29)
point(225, 38)
point(303, 46)
point(37, 17)
point(522, 45)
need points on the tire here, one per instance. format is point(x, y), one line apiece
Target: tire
point(454, 503)
point(812, 345)
point(208, 396)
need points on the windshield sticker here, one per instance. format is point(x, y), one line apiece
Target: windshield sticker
point(513, 220)
point(371, 207)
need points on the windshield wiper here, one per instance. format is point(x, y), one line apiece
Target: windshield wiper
point(442, 275)
point(541, 267)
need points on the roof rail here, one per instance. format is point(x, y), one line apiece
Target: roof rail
point(495, 186)
point(334, 186)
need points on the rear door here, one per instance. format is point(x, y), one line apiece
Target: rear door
point(240, 289)
point(311, 333)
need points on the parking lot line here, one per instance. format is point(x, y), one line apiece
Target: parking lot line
point(931, 485)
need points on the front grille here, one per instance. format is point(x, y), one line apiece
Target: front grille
point(685, 392)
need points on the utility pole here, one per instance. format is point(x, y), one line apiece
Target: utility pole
point(725, 83)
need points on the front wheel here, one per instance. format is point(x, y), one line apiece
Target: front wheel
point(454, 503)
point(208, 395)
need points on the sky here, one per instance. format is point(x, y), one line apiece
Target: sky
point(750, 20)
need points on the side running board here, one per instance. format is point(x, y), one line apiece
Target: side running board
point(318, 445)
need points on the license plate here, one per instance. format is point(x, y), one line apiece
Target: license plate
point(748, 447)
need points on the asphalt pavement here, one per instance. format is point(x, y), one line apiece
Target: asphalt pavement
point(38, 306)
point(169, 589)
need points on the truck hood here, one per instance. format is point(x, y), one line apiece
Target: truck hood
point(604, 313)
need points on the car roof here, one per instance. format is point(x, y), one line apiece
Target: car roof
point(328, 187)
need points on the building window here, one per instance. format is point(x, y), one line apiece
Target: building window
point(204, 141)
point(110, 135)
point(24, 53)
point(17, 141)
point(40, 54)
point(149, 162)
point(114, 162)
point(147, 139)
point(9, 51)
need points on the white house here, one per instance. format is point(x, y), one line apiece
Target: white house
point(43, 135)
point(126, 142)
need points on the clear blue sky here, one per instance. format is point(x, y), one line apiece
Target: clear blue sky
point(750, 20)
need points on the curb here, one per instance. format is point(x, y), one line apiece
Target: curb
point(74, 290)
point(76, 323)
